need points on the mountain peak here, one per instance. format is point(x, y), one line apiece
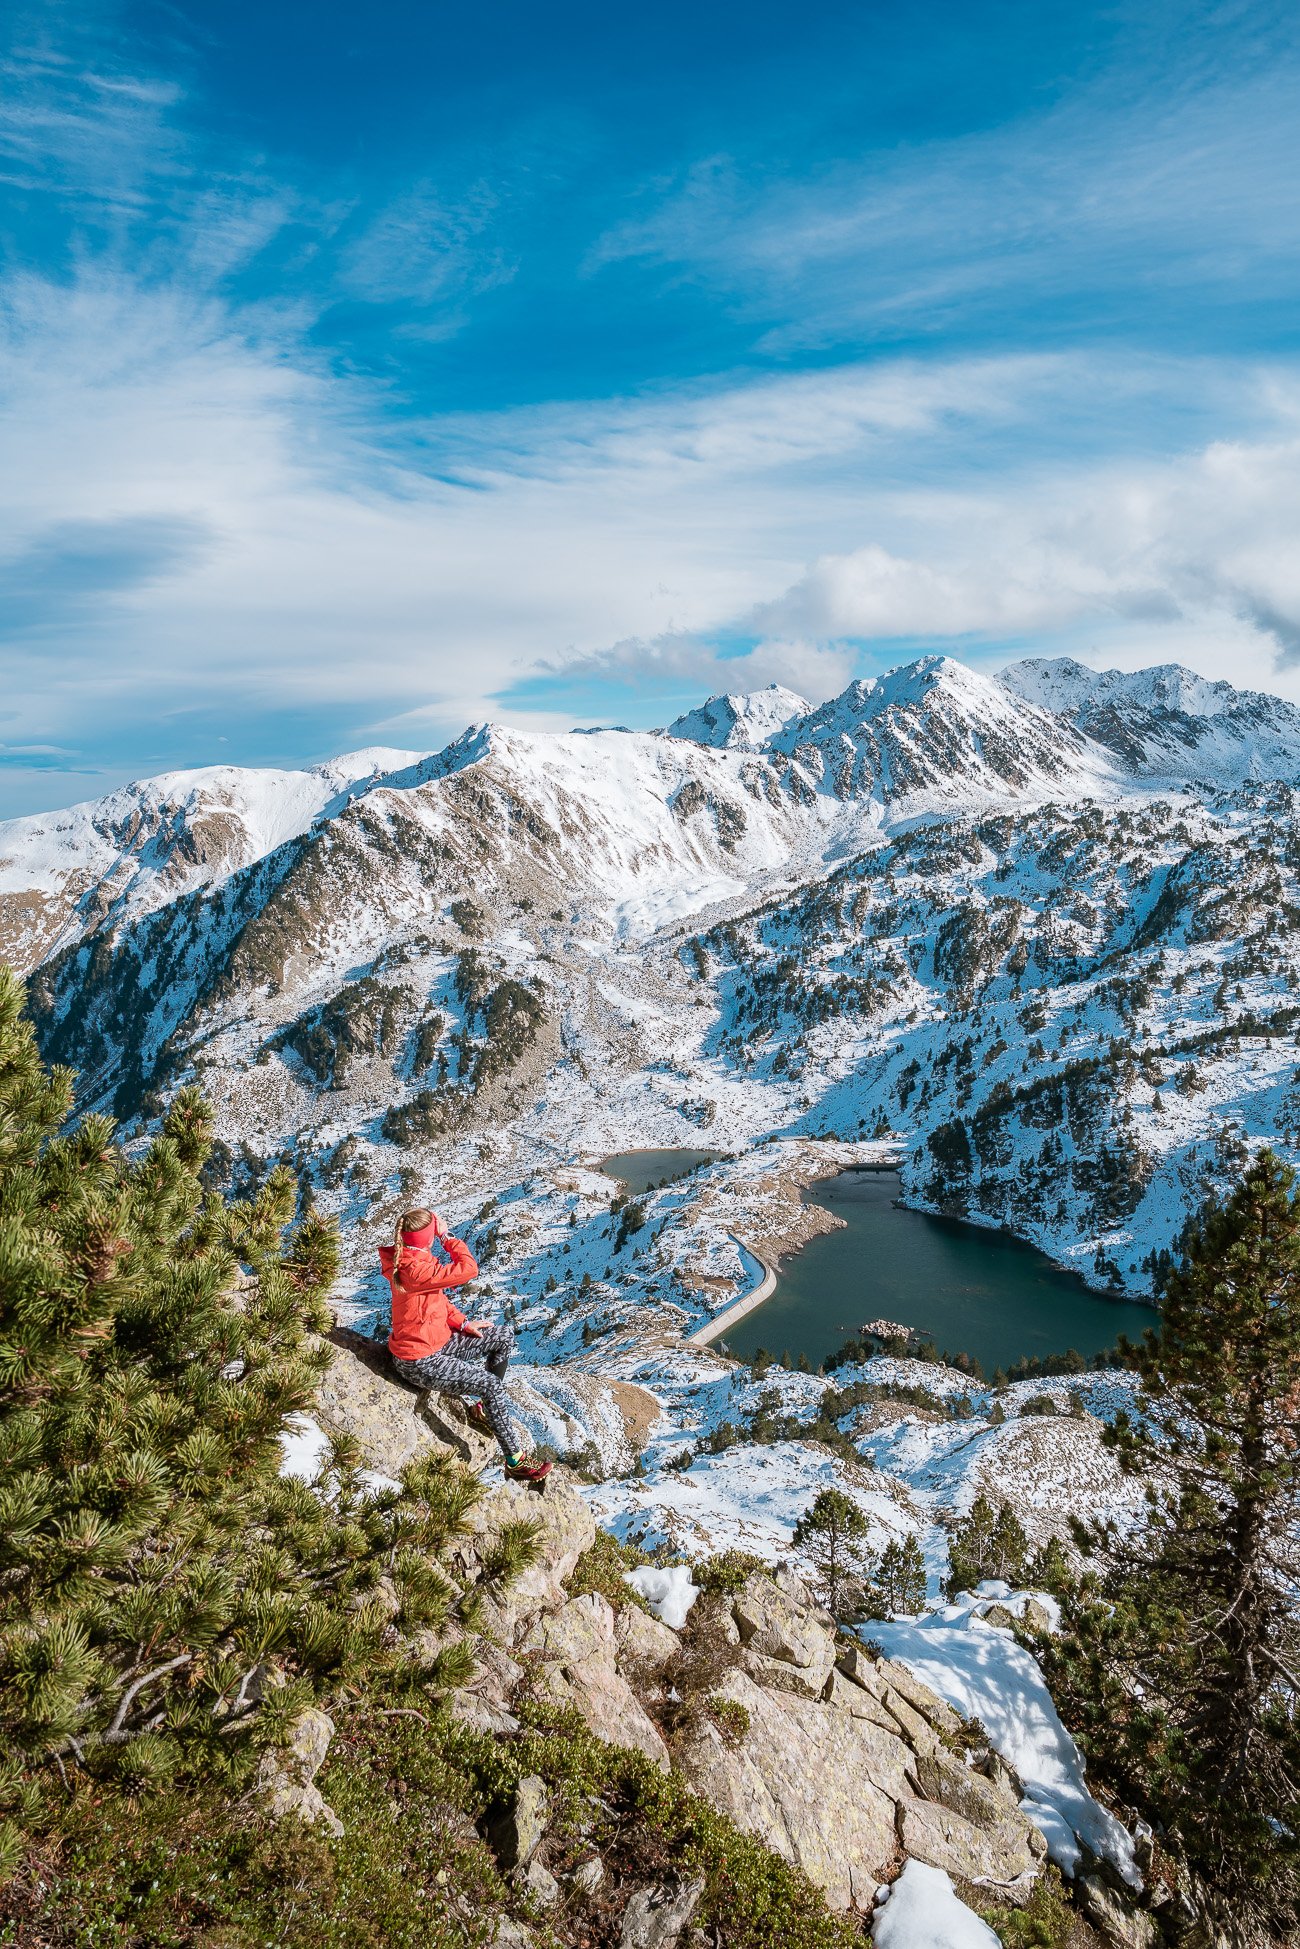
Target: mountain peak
point(1166, 721)
point(744, 719)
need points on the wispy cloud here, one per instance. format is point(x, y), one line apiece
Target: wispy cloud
point(257, 530)
point(1148, 182)
point(426, 248)
point(210, 515)
point(66, 567)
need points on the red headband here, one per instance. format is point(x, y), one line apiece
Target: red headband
point(425, 1235)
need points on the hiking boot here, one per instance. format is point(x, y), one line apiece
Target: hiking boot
point(532, 1472)
point(477, 1416)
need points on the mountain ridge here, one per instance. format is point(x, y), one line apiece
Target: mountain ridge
point(922, 738)
point(928, 907)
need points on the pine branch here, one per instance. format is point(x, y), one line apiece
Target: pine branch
point(147, 1678)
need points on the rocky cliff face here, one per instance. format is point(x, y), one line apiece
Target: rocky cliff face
point(836, 1758)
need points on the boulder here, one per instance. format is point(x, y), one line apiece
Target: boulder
point(805, 1682)
point(577, 1664)
point(286, 1777)
point(942, 1778)
point(920, 1714)
point(496, 1673)
point(448, 1421)
point(509, 1934)
point(859, 1702)
point(359, 1397)
point(810, 1781)
point(516, 1837)
point(580, 1632)
point(478, 1714)
point(568, 1529)
point(588, 1876)
point(996, 1856)
point(655, 1917)
point(788, 1640)
point(937, 1711)
point(540, 1883)
point(643, 1641)
point(1114, 1913)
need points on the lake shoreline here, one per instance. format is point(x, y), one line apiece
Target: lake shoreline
point(1064, 1288)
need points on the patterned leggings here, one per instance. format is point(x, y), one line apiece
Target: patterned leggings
point(472, 1367)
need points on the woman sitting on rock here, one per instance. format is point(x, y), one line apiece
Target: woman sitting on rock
point(432, 1343)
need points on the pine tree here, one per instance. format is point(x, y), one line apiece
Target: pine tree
point(897, 1580)
point(987, 1544)
point(154, 1563)
point(832, 1534)
point(1181, 1666)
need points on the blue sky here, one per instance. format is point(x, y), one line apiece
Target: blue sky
point(365, 372)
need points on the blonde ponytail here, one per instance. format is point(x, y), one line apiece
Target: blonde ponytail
point(398, 1248)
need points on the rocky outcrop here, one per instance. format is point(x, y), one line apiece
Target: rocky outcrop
point(849, 1760)
point(391, 1424)
point(576, 1652)
point(845, 1760)
point(839, 1760)
point(286, 1779)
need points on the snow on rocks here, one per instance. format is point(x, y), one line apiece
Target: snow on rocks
point(304, 1447)
point(749, 1498)
point(984, 1674)
point(669, 1592)
point(921, 1910)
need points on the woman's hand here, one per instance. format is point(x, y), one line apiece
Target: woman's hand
point(472, 1327)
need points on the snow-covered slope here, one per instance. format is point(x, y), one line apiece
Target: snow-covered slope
point(937, 733)
point(65, 873)
point(743, 789)
point(747, 720)
point(932, 906)
point(1167, 722)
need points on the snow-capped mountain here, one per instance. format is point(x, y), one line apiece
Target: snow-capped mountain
point(746, 720)
point(66, 873)
point(1167, 722)
point(944, 904)
point(936, 732)
point(927, 737)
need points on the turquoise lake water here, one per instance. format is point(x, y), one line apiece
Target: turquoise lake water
point(969, 1290)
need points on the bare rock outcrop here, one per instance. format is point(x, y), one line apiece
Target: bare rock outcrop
point(286, 1779)
point(391, 1424)
point(839, 1760)
point(575, 1652)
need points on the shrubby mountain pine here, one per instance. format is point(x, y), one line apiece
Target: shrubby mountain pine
point(1181, 1669)
point(158, 1576)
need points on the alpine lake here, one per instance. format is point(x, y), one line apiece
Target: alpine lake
point(962, 1287)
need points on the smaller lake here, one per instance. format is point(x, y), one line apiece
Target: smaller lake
point(644, 1170)
point(969, 1290)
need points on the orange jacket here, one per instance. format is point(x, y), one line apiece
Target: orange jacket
point(424, 1319)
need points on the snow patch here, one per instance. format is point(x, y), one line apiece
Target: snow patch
point(669, 1592)
point(922, 1911)
point(984, 1674)
point(304, 1446)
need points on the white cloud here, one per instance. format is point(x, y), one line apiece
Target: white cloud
point(427, 248)
point(280, 546)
